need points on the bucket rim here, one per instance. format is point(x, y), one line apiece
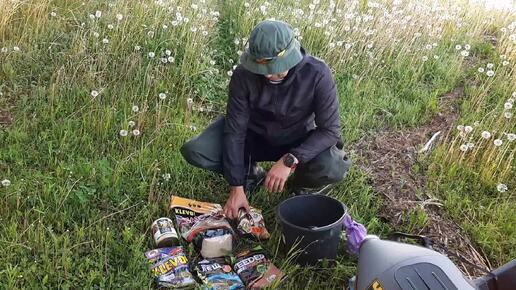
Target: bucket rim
point(318, 229)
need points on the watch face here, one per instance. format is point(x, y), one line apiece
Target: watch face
point(288, 160)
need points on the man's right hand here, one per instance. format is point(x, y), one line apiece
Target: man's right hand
point(235, 202)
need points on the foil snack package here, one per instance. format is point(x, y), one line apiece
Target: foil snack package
point(252, 224)
point(169, 268)
point(255, 269)
point(216, 274)
point(204, 225)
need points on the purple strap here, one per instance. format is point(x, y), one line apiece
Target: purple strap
point(355, 232)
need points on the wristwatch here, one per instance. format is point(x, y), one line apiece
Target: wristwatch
point(290, 161)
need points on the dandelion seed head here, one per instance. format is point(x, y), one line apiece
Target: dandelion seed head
point(458, 47)
point(105, 41)
point(137, 48)
point(463, 147)
point(486, 135)
point(468, 129)
point(6, 182)
point(110, 26)
point(507, 115)
point(464, 53)
point(212, 62)
point(16, 48)
point(501, 187)
point(230, 72)
point(119, 17)
point(507, 105)
point(490, 65)
point(98, 13)
point(94, 93)
point(171, 59)
point(504, 63)
point(480, 69)
point(53, 14)
point(131, 123)
point(490, 73)
point(460, 127)
point(467, 47)
point(123, 133)
point(92, 17)
point(424, 58)
point(498, 142)
point(151, 54)
point(136, 132)
point(135, 109)
point(4, 49)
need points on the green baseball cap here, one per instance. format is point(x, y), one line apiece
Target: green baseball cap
point(272, 48)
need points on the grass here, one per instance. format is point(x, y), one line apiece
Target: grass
point(82, 197)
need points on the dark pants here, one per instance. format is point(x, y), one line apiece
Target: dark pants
point(205, 151)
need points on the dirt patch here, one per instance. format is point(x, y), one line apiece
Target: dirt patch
point(391, 160)
point(5, 118)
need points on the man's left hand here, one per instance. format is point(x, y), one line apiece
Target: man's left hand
point(277, 176)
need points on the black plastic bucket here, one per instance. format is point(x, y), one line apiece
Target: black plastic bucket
point(312, 224)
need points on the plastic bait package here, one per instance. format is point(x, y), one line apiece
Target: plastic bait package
point(216, 274)
point(215, 245)
point(255, 269)
point(195, 217)
point(169, 268)
point(252, 224)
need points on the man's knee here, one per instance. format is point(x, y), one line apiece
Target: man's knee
point(330, 166)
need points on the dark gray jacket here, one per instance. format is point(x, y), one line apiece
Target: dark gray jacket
point(304, 103)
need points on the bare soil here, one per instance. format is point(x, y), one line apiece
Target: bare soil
point(394, 165)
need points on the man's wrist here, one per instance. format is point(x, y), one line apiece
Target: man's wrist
point(236, 189)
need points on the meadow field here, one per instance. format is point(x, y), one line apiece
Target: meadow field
point(97, 97)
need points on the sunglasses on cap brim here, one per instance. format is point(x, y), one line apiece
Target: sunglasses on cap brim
point(266, 60)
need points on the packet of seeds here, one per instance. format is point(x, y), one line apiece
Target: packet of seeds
point(255, 269)
point(169, 268)
point(216, 274)
point(252, 224)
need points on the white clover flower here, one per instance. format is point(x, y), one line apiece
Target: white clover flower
point(53, 14)
point(458, 47)
point(119, 17)
point(162, 96)
point(463, 147)
point(424, 58)
point(490, 65)
point(137, 48)
point(123, 133)
point(486, 135)
point(16, 48)
point(171, 59)
point(464, 53)
point(151, 54)
point(480, 69)
point(467, 47)
point(511, 137)
point(98, 13)
point(94, 93)
point(490, 73)
point(504, 63)
point(468, 129)
point(135, 109)
point(164, 26)
point(131, 123)
point(136, 132)
point(110, 26)
point(6, 182)
point(105, 41)
point(507, 106)
point(497, 142)
point(507, 115)
point(230, 72)
point(501, 187)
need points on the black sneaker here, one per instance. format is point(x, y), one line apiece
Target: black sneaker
point(325, 189)
point(255, 179)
